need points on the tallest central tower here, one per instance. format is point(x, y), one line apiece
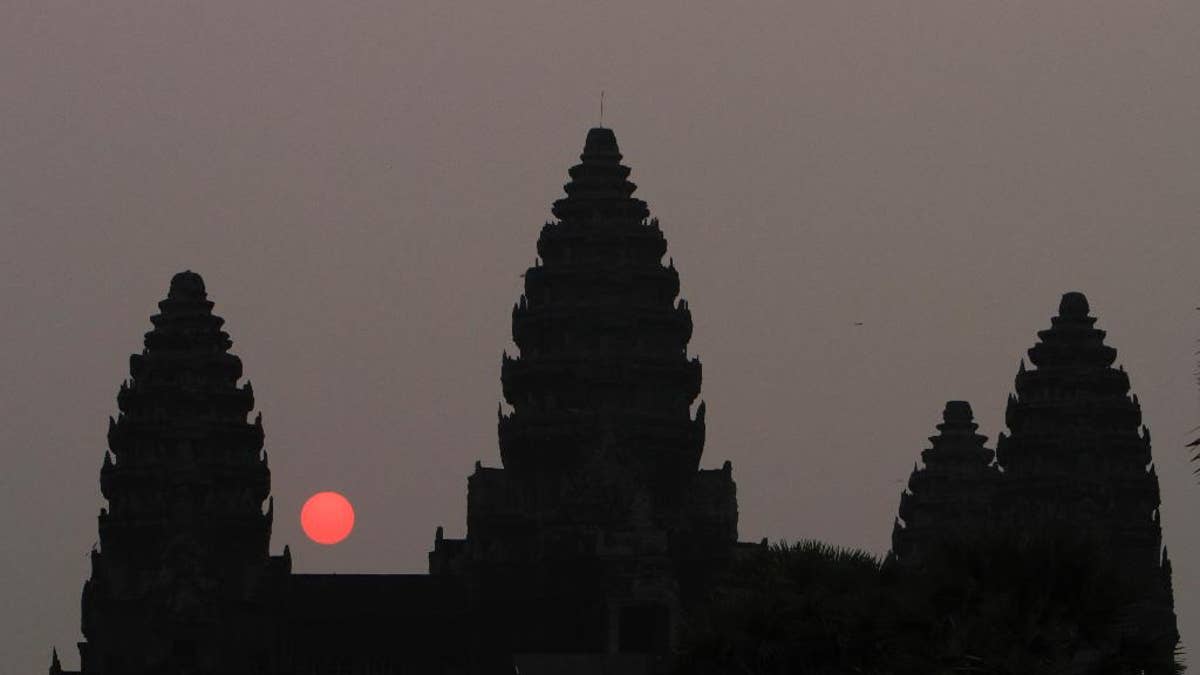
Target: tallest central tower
point(603, 364)
point(600, 526)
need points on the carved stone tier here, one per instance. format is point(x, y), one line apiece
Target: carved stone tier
point(953, 494)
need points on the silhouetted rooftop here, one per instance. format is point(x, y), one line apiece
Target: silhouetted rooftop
point(187, 285)
point(958, 411)
point(601, 144)
point(599, 186)
point(321, 596)
point(1073, 304)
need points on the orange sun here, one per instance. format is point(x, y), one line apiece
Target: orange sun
point(327, 517)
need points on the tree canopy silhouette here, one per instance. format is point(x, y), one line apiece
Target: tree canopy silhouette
point(1002, 603)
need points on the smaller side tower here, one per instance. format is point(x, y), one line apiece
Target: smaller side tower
point(184, 540)
point(952, 495)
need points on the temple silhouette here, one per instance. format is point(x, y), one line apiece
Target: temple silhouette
point(1077, 458)
point(586, 549)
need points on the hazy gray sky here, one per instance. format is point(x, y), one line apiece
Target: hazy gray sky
point(362, 183)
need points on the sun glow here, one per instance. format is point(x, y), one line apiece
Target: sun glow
point(327, 518)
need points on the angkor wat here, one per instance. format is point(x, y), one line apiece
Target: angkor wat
point(587, 550)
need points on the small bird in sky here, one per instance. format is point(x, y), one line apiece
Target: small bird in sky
point(858, 323)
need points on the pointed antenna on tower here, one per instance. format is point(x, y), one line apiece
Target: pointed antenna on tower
point(601, 108)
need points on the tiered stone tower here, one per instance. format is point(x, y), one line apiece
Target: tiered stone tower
point(953, 494)
point(601, 508)
point(1075, 455)
point(603, 344)
point(183, 542)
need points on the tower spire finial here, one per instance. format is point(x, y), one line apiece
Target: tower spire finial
point(601, 109)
